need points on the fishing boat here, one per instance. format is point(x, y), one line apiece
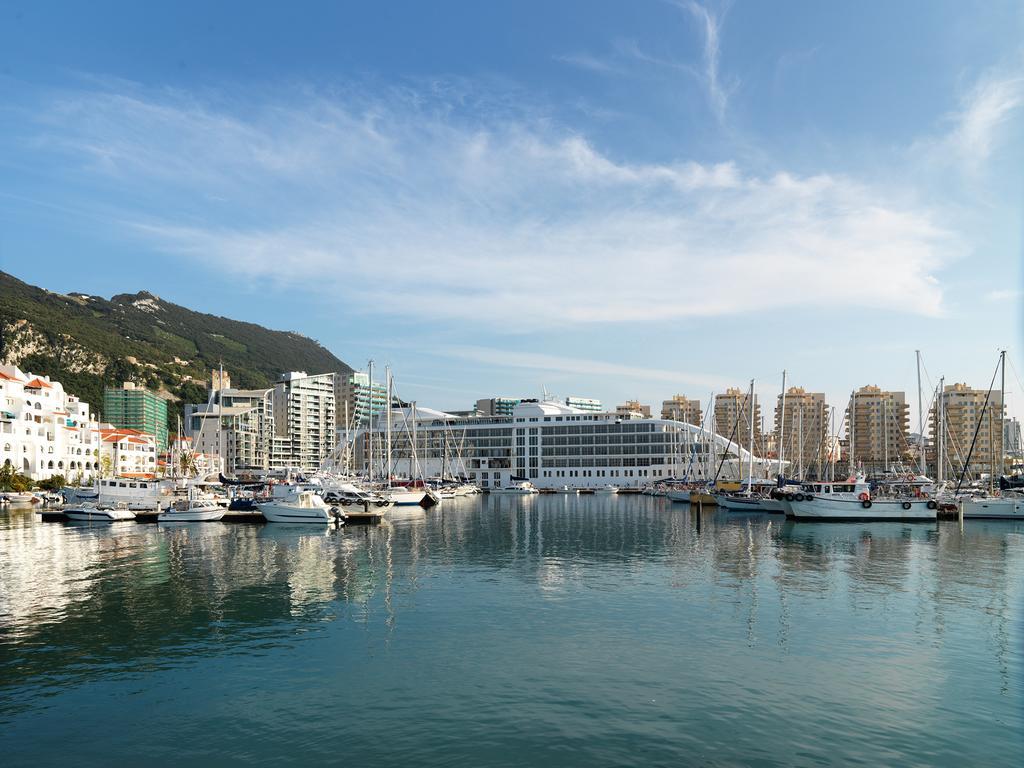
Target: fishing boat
point(98, 514)
point(192, 511)
point(299, 507)
point(853, 501)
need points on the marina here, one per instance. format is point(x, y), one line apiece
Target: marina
point(627, 624)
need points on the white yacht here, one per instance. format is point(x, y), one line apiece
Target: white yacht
point(566, 490)
point(192, 511)
point(97, 514)
point(300, 507)
point(852, 500)
point(607, 489)
point(524, 488)
point(403, 496)
point(999, 507)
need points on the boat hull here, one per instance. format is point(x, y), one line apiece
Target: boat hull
point(191, 516)
point(402, 497)
point(854, 510)
point(680, 496)
point(995, 509)
point(98, 515)
point(753, 504)
point(277, 512)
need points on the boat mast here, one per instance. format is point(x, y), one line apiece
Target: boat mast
point(387, 418)
point(853, 432)
point(1002, 415)
point(415, 447)
point(782, 426)
point(885, 435)
point(369, 424)
point(920, 418)
point(800, 438)
point(940, 440)
point(750, 444)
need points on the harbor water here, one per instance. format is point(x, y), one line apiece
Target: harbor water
point(507, 631)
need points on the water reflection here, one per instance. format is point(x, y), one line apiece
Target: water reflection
point(84, 603)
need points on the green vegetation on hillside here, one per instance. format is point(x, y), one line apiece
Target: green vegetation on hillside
point(89, 343)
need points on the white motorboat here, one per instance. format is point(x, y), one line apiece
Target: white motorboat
point(524, 488)
point(852, 500)
point(300, 507)
point(21, 497)
point(998, 507)
point(98, 514)
point(194, 511)
point(607, 489)
point(566, 489)
point(679, 494)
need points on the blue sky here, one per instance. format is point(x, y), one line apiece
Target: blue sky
point(609, 199)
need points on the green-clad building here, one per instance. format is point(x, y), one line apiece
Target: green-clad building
point(135, 407)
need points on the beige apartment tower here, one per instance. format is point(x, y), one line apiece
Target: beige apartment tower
point(964, 412)
point(805, 433)
point(682, 408)
point(732, 418)
point(634, 409)
point(878, 429)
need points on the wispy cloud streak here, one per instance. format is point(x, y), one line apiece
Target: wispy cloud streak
point(710, 26)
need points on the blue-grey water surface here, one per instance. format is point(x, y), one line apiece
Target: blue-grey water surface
point(548, 631)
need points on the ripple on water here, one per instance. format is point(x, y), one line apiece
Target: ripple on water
point(550, 631)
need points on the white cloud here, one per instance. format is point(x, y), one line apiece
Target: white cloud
point(401, 205)
point(979, 123)
point(710, 25)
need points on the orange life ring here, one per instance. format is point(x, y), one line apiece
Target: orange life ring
point(864, 496)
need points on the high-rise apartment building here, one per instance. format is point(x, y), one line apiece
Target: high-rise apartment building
point(732, 418)
point(682, 408)
point(304, 421)
point(354, 395)
point(633, 409)
point(804, 433)
point(133, 407)
point(584, 404)
point(878, 428)
point(238, 426)
point(497, 406)
point(965, 414)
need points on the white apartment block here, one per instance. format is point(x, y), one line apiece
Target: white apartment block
point(305, 420)
point(45, 431)
point(127, 453)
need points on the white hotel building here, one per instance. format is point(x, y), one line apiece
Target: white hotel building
point(45, 431)
point(553, 445)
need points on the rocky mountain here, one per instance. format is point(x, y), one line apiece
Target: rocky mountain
point(88, 342)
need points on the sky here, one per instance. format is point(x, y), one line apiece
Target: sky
point(597, 198)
